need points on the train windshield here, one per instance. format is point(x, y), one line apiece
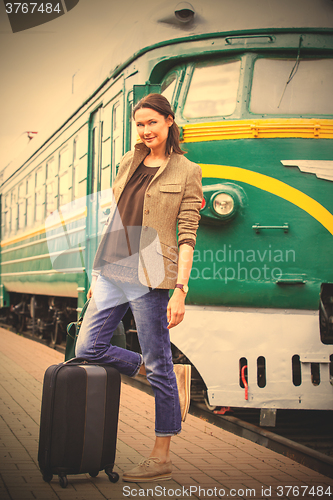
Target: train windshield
point(169, 85)
point(213, 90)
point(310, 91)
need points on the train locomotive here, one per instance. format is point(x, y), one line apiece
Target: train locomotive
point(252, 95)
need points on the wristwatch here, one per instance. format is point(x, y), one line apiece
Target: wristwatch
point(184, 288)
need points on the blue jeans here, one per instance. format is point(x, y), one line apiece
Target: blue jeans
point(107, 307)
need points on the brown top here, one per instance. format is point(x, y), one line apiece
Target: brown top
point(123, 240)
point(130, 204)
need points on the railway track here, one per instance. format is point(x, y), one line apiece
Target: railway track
point(307, 440)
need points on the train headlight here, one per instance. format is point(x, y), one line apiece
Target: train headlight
point(223, 204)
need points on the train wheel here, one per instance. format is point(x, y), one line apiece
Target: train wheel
point(21, 323)
point(34, 329)
point(54, 335)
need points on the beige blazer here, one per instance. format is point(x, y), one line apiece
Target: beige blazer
point(173, 196)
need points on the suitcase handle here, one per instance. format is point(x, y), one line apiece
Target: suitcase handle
point(78, 361)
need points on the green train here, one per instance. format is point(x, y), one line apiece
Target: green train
point(253, 97)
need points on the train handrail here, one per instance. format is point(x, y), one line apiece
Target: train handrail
point(246, 385)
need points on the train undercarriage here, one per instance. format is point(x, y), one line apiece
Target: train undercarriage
point(44, 317)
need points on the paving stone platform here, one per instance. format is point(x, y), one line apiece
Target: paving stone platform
point(209, 462)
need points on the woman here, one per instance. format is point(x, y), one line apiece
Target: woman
point(138, 262)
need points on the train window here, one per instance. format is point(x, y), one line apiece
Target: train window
point(133, 131)
point(261, 371)
point(168, 86)
point(51, 191)
point(29, 205)
point(64, 159)
point(65, 184)
point(117, 130)
point(94, 159)
point(213, 90)
point(79, 188)
point(7, 215)
point(296, 370)
point(75, 150)
point(39, 195)
point(65, 177)
point(310, 91)
point(106, 151)
point(50, 198)
point(21, 205)
point(50, 169)
point(13, 212)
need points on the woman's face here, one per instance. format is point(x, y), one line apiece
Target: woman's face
point(153, 128)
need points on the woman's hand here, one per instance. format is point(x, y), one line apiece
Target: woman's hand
point(176, 308)
point(92, 286)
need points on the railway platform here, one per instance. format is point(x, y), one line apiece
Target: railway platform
point(209, 462)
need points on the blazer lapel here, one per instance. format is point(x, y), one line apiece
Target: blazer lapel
point(161, 169)
point(140, 153)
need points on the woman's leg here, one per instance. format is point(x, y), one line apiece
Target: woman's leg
point(161, 448)
point(106, 309)
point(150, 317)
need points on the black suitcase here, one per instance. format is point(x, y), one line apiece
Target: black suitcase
point(79, 420)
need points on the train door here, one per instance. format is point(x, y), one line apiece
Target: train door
point(4, 229)
point(105, 151)
point(94, 158)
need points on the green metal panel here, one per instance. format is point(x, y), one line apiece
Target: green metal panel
point(140, 91)
point(236, 266)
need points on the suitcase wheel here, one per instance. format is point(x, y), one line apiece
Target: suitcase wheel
point(63, 481)
point(94, 473)
point(47, 476)
point(113, 476)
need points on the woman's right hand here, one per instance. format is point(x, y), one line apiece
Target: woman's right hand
point(92, 286)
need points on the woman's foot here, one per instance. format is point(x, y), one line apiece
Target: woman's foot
point(149, 469)
point(183, 376)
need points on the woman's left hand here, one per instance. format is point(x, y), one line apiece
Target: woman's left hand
point(176, 308)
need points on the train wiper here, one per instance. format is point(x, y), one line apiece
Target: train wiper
point(294, 70)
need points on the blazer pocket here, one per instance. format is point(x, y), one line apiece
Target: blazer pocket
point(168, 252)
point(170, 188)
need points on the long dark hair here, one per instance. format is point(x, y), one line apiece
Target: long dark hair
point(159, 103)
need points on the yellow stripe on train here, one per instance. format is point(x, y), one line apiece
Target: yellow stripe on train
point(274, 186)
point(306, 128)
